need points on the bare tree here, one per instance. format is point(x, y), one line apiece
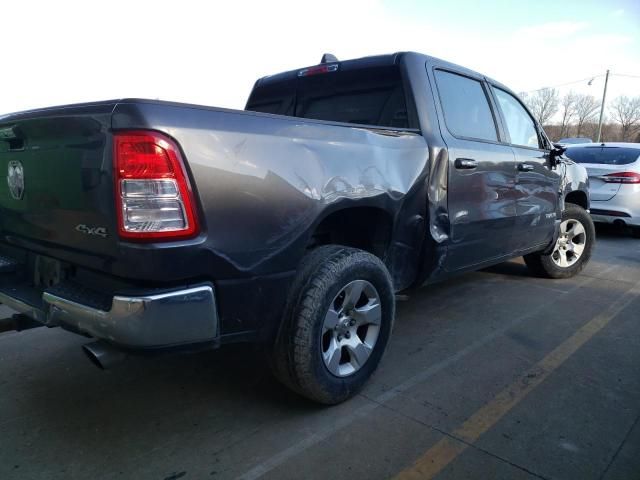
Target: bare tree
point(586, 109)
point(626, 112)
point(553, 132)
point(567, 111)
point(543, 104)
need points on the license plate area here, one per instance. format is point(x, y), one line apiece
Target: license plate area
point(48, 272)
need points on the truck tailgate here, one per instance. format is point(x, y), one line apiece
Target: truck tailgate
point(59, 182)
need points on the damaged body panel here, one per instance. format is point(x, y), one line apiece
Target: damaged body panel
point(264, 181)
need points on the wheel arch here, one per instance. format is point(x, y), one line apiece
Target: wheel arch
point(368, 228)
point(577, 197)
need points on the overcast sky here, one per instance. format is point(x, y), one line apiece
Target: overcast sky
point(63, 51)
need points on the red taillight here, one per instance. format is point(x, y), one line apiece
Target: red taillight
point(154, 199)
point(621, 177)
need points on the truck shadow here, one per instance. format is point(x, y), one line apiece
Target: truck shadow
point(228, 374)
point(140, 406)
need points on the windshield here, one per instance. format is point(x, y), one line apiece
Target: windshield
point(604, 155)
point(366, 96)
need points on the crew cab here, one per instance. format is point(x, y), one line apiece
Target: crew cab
point(154, 226)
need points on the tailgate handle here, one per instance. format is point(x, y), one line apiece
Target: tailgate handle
point(465, 163)
point(13, 137)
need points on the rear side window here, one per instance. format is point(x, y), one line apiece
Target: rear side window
point(604, 155)
point(274, 97)
point(368, 96)
point(521, 127)
point(465, 105)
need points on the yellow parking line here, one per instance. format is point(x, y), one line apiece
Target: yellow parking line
point(446, 450)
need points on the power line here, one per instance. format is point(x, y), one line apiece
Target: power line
point(625, 75)
point(581, 80)
point(568, 83)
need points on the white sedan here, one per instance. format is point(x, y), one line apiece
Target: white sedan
point(614, 181)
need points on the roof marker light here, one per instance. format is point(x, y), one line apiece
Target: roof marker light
point(307, 72)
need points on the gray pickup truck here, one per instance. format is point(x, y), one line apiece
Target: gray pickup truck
point(156, 226)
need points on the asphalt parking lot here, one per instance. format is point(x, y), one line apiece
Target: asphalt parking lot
point(494, 374)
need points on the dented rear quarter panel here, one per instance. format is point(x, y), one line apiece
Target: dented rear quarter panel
point(265, 181)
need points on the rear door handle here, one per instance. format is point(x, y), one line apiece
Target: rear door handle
point(525, 167)
point(465, 163)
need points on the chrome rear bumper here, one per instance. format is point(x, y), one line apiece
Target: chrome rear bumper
point(154, 320)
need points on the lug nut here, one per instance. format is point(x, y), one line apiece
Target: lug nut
point(352, 322)
point(339, 338)
point(347, 335)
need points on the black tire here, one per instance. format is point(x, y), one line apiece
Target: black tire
point(297, 352)
point(635, 232)
point(542, 264)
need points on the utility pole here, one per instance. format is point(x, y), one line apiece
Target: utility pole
point(604, 97)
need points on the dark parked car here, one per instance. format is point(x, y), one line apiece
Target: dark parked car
point(152, 225)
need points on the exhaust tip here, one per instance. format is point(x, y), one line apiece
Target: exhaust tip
point(103, 355)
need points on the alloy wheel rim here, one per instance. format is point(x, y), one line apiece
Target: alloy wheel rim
point(570, 244)
point(351, 328)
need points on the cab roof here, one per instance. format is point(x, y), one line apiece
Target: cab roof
point(375, 61)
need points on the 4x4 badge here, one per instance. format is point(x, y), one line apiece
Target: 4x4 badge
point(15, 179)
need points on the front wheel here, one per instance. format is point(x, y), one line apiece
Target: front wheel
point(336, 326)
point(573, 247)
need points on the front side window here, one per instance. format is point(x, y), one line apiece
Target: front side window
point(520, 125)
point(465, 105)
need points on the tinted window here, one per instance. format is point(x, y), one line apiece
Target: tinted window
point(606, 155)
point(274, 97)
point(520, 125)
point(465, 106)
point(368, 96)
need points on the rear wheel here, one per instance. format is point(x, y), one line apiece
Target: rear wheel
point(337, 324)
point(572, 249)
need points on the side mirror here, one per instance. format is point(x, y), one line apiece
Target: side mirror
point(556, 152)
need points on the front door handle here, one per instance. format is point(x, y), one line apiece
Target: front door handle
point(525, 167)
point(465, 163)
